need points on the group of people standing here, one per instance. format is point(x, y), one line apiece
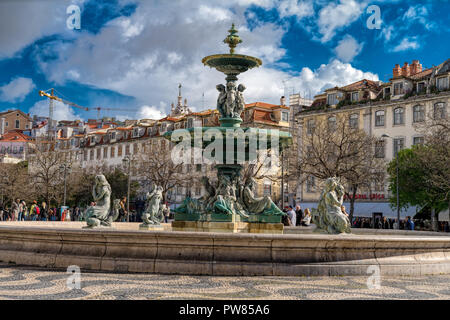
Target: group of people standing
point(296, 217)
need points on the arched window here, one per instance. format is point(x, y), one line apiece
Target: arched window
point(399, 116)
point(418, 113)
point(353, 121)
point(379, 118)
point(439, 110)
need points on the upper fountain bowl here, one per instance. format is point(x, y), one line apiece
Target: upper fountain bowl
point(231, 64)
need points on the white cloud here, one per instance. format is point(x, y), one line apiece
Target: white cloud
point(407, 44)
point(297, 8)
point(348, 48)
point(418, 14)
point(61, 111)
point(336, 16)
point(23, 22)
point(166, 48)
point(17, 89)
point(149, 112)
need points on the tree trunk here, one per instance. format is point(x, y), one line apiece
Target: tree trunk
point(352, 204)
point(434, 220)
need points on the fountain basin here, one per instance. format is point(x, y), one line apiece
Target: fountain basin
point(240, 254)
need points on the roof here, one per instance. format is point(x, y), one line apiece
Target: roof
point(362, 84)
point(16, 111)
point(265, 105)
point(422, 74)
point(15, 136)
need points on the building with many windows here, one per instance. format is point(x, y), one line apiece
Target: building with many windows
point(396, 108)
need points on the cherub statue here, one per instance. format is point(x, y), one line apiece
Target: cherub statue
point(328, 217)
point(98, 214)
point(221, 100)
point(152, 214)
point(240, 103)
point(231, 99)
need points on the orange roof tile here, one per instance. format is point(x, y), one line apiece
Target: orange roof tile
point(15, 136)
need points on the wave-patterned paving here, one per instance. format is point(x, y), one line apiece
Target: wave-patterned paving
point(30, 283)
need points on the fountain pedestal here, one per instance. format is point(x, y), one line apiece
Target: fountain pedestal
point(228, 227)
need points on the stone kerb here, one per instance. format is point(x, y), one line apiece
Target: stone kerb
point(223, 253)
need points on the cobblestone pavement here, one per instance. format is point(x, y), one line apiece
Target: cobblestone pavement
point(38, 283)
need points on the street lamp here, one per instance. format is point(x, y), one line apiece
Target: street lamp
point(65, 167)
point(396, 169)
point(127, 161)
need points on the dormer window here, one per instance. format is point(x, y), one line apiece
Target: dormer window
point(398, 88)
point(332, 99)
point(442, 83)
point(190, 122)
point(285, 116)
point(135, 132)
point(355, 96)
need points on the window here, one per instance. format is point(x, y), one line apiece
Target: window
point(113, 149)
point(190, 123)
point(198, 167)
point(419, 114)
point(355, 96)
point(332, 123)
point(7, 124)
point(442, 83)
point(105, 153)
point(398, 88)
point(353, 121)
point(119, 151)
point(387, 92)
point(163, 127)
point(99, 154)
point(421, 87)
point(399, 116)
point(332, 99)
point(112, 136)
point(198, 191)
point(310, 184)
point(17, 124)
point(378, 182)
point(418, 140)
point(85, 155)
point(267, 188)
point(311, 125)
point(379, 118)
point(135, 132)
point(135, 148)
point(439, 111)
point(399, 144)
point(91, 156)
point(127, 149)
point(380, 149)
point(285, 116)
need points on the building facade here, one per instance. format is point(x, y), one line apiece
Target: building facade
point(396, 109)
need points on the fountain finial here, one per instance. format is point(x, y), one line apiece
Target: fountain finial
point(232, 39)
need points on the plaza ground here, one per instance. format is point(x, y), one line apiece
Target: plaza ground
point(20, 282)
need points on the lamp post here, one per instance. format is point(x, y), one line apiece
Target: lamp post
point(396, 170)
point(127, 161)
point(65, 167)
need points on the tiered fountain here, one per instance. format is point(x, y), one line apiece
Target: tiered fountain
point(230, 205)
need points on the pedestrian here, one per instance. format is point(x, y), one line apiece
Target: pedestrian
point(24, 211)
point(306, 221)
point(166, 212)
point(122, 211)
point(44, 211)
point(395, 224)
point(15, 210)
point(409, 223)
point(292, 216)
point(34, 211)
point(298, 215)
point(1, 211)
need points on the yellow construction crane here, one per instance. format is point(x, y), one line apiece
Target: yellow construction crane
point(52, 97)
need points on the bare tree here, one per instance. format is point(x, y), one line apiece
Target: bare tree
point(45, 171)
point(14, 181)
point(336, 149)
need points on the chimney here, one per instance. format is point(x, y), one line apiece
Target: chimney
point(406, 72)
point(283, 101)
point(397, 71)
point(415, 67)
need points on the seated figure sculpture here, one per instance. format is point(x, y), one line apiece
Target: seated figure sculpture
point(98, 215)
point(152, 214)
point(255, 205)
point(328, 217)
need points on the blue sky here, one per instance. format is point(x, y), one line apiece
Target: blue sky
point(131, 54)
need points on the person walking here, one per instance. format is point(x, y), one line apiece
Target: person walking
point(292, 216)
point(298, 215)
point(24, 210)
point(2, 211)
point(122, 211)
point(166, 212)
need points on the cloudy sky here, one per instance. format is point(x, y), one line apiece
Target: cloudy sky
point(132, 54)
